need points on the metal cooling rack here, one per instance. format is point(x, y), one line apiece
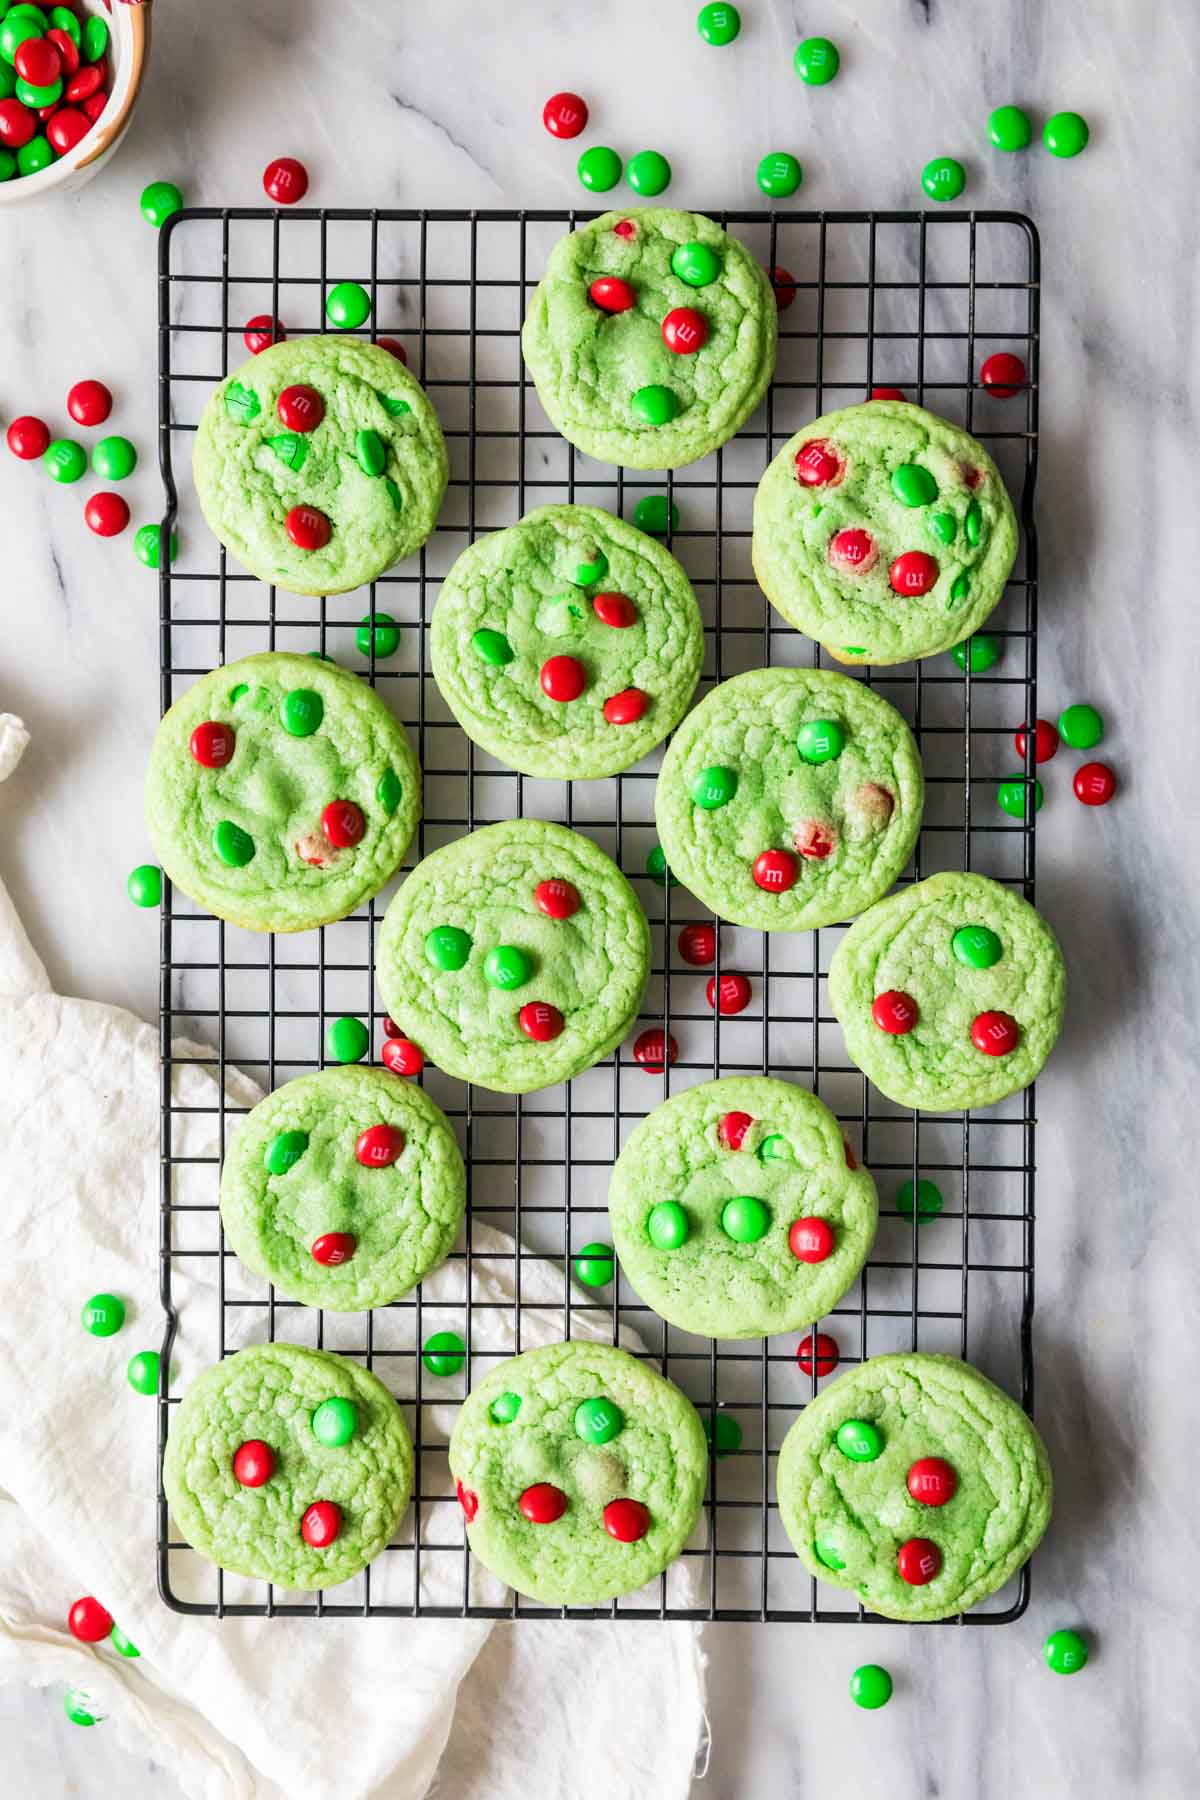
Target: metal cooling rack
point(905, 299)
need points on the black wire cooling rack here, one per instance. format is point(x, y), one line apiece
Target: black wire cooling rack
point(915, 301)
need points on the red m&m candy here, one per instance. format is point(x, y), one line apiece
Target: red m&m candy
point(89, 1621)
point(627, 707)
point(685, 330)
point(86, 81)
point(540, 1021)
point(333, 1248)
point(1002, 374)
point(563, 678)
point(261, 332)
point(815, 840)
point(886, 393)
point(390, 1027)
point(402, 1056)
point(810, 1240)
point(94, 105)
point(698, 945)
point(774, 871)
point(300, 407)
point(616, 610)
point(1094, 784)
point(827, 1352)
point(1045, 741)
point(285, 180)
point(106, 514)
point(378, 1146)
point(783, 284)
point(321, 1524)
point(732, 996)
point(68, 54)
point(894, 1012)
point(343, 824)
point(654, 1049)
point(732, 1129)
point(467, 1500)
point(17, 124)
point(38, 62)
point(212, 744)
point(626, 1520)
point(66, 128)
point(995, 1033)
point(932, 1481)
point(818, 464)
point(542, 1503)
point(564, 115)
point(27, 437)
point(253, 1463)
point(557, 899)
point(912, 573)
point(89, 402)
point(611, 294)
point(394, 347)
point(307, 528)
point(853, 550)
point(918, 1561)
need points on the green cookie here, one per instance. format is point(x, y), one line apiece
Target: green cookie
point(718, 1239)
point(985, 975)
point(515, 957)
point(789, 798)
point(884, 532)
point(374, 466)
point(353, 1152)
point(261, 776)
point(847, 1518)
point(609, 1455)
point(613, 607)
point(608, 379)
point(268, 1395)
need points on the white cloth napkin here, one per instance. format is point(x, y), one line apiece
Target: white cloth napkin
point(270, 1708)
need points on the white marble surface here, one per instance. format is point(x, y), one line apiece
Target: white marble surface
point(440, 105)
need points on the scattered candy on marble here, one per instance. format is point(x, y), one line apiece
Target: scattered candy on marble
point(347, 305)
point(1065, 134)
point(28, 437)
point(82, 1708)
point(595, 1265)
point(377, 633)
point(697, 945)
point(1065, 1651)
point(779, 174)
point(113, 458)
point(977, 654)
point(285, 181)
point(160, 200)
point(65, 460)
point(599, 169)
point(106, 514)
point(142, 1372)
point(147, 540)
point(444, 1353)
point(827, 1353)
point(348, 1040)
point(648, 173)
point(144, 885)
point(943, 178)
point(123, 1645)
point(816, 61)
point(103, 1315)
point(653, 1049)
point(1009, 128)
point(565, 115)
point(1012, 796)
point(718, 23)
point(870, 1686)
point(731, 996)
point(1080, 726)
point(89, 1621)
point(1002, 374)
point(1045, 741)
point(1094, 784)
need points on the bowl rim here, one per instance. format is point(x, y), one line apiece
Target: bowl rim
point(130, 21)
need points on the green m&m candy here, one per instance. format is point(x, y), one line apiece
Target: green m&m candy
point(285, 1151)
point(978, 654)
point(147, 545)
point(506, 967)
point(592, 569)
point(113, 458)
point(816, 61)
point(80, 1707)
point(598, 1421)
point(301, 712)
point(142, 1372)
point(1012, 796)
point(388, 791)
point(599, 169)
point(1080, 726)
point(504, 1408)
point(714, 786)
point(929, 1199)
point(859, 1440)
point(828, 1554)
point(667, 1225)
point(723, 1432)
point(1065, 1652)
point(648, 173)
point(370, 452)
point(654, 405)
point(976, 946)
point(656, 868)
point(347, 305)
point(943, 178)
point(820, 741)
point(95, 38)
point(718, 24)
point(943, 526)
point(656, 515)
point(121, 1644)
point(103, 1315)
point(444, 1353)
point(696, 264)
point(334, 1422)
point(15, 30)
point(8, 162)
point(160, 200)
point(32, 158)
point(448, 947)
point(144, 885)
point(491, 647)
point(1065, 134)
point(595, 1265)
point(378, 632)
point(775, 1148)
point(348, 1039)
point(63, 19)
point(973, 523)
point(745, 1219)
point(870, 1686)
point(913, 485)
point(234, 846)
point(1009, 128)
point(779, 174)
point(64, 460)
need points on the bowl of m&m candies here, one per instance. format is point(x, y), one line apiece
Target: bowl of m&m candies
point(70, 73)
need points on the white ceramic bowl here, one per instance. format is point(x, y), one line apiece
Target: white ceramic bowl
point(128, 24)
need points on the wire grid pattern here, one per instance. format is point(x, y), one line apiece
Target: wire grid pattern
point(906, 299)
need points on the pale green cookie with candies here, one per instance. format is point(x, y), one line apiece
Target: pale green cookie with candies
point(651, 337)
point(515, 957)
point(789, 798)
point(884, 532)
point(738, 1209)
point(580, 1471)
point(950, 994)
point(916, 1484)
point(320, 463)
point(281, 793)
point(343, 1188)
point(567, 645)
point(289, 1465)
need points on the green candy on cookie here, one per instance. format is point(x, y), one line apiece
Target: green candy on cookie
point(665, 359)
point(567, 645)
point(738, 1211)
point(300, 1506)
point(580, 1471)
point(884, 532)
point(916, 1484)
point(353, 1154)
point(281, 793)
